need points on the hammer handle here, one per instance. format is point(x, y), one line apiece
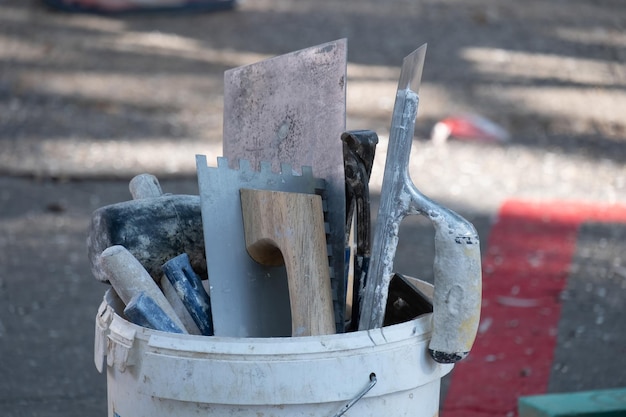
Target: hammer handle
point(130, 278)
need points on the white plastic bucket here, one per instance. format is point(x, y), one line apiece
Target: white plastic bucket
point(153, 374)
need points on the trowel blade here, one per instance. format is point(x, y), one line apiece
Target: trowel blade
point(411, 71)
point(292, 109)
point(395, 192)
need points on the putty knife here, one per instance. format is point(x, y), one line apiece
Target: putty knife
point(288, 228)
point(292, 109)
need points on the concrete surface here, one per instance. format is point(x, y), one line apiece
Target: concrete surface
point(87, 101)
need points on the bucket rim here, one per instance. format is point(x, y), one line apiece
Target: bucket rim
point(417, 330)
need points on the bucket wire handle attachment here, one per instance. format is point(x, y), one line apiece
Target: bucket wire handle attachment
point(360, 395)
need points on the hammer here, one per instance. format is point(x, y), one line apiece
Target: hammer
point(154, 227)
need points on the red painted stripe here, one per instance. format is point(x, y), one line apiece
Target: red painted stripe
point(525, 269)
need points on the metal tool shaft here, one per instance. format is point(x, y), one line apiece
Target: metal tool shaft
point(457, 267)
point(394, 206)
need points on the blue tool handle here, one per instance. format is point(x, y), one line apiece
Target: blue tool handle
point(188, 286)
point(144, 311)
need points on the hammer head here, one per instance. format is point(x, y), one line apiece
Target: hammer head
point(154, 230)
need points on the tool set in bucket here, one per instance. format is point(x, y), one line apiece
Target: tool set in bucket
point(278, 242)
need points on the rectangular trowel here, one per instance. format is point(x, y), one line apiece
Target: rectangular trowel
point(292, 109)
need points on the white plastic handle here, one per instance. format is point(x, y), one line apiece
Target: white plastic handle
point(458, 286)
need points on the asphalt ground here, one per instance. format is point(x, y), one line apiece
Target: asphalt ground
point(86, 102)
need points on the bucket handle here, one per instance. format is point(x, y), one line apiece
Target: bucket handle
point(360, 395)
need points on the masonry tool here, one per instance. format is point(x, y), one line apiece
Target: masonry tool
point(292, 109)
point(457, 270)
point(153, 227)
point(288, 228)
point(188, 287)
point(144, 311)
point(358, 160)
point(247, 299)
point(177, 304)
point(129, 279)
point(145, 186)
point(148, 186)
point(405, 301)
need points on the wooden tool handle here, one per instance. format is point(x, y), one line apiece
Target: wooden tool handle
point(145, 186)
point(288, 228)
point(129, 278)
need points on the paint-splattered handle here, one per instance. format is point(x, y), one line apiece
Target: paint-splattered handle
point(458, 287)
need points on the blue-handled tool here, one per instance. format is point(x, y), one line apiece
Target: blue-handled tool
point(130, 279)
point(144, 311)
point(188, 286)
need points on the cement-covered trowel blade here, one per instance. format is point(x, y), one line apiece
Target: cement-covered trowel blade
point(396, 192)
point(292, 109)
point(456, 266)
point(411, 72)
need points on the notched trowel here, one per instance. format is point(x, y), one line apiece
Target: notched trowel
point(248, 299)
point(292, 109)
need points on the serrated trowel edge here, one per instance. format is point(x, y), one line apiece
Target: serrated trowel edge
point(247, 298)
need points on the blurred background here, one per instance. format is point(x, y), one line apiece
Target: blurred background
point(89, 100)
